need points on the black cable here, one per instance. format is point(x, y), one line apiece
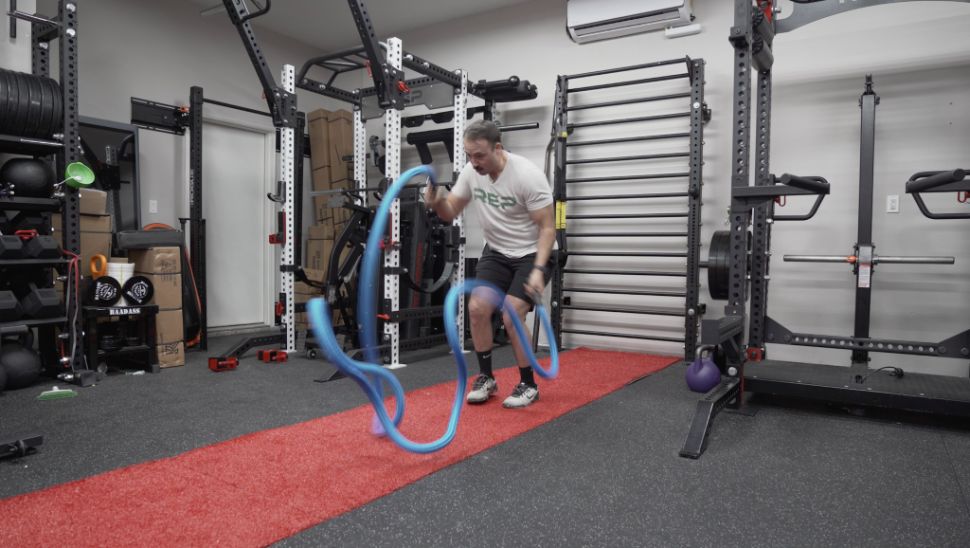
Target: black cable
point(896, 372)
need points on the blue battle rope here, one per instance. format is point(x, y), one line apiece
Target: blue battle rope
point(368, 375)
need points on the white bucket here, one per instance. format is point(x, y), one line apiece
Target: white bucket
point(121, 271)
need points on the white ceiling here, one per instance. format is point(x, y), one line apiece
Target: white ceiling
point(328, 25)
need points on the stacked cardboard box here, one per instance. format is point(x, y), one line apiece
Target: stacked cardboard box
point(319, 246)
point(95, 225)
point(163, 266)
point(303, 292)
point(331, 156)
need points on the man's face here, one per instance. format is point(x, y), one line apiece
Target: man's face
point(485, 158)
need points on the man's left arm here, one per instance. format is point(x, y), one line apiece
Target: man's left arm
point(545, 220)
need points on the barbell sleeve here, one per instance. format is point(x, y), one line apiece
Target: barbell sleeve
point(914, 260)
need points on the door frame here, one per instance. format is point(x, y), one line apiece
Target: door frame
point(268, 258)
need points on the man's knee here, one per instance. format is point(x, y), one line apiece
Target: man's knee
point(520, 308)
point(480, 309)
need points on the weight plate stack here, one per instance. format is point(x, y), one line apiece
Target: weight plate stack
point(30, 105)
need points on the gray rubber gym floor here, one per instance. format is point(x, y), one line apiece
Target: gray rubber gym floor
point(606, 474)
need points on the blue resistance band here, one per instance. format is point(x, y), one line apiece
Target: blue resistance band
point(370, 376)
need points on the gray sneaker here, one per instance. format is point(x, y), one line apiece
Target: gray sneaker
point(482, 389)
point(522, 395)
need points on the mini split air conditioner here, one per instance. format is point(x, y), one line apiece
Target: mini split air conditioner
point(590, 20)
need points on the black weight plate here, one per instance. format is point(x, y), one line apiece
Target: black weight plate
point(138, 290)
point(4, 110)
point(47, 110)
point(718, 264)
point(22, 104)
point(58, 121)
point(56, 102)
point(59, 112)
point(8, 101)
point(105, 291)
point(35, 103)
point(57, 124)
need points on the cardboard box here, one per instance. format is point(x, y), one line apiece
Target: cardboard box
point(94, 243)
point(318, 129)
point(302, 323)
point(321, 178)
point(156, 260)
point(169, 327)
point(341, 137)
point(171, 354)
point(301, 289)
point(340, 218)
point(93, 202)
point(168, 290)
point(318, 253)
point(88, 223)
point(321, 209)
point(320, 231)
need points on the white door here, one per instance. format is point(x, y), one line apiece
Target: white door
point(235, 181)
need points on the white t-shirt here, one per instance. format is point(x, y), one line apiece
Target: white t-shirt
point(503, 205)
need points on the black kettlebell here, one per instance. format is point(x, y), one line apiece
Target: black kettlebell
point(21, 364)
point(30, 178)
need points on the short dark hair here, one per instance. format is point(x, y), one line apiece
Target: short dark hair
point(483, 129)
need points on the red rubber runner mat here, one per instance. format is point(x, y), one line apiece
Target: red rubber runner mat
point(268, 485)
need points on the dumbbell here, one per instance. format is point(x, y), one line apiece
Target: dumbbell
point(38, 246)
point(41, 302)
point(10, 309)
point(11, 248)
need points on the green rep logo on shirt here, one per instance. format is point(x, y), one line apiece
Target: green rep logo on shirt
point(494, 200)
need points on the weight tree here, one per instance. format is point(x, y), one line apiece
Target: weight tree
point(743, 362)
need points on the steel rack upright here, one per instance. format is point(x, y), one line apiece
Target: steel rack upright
point(44, 32)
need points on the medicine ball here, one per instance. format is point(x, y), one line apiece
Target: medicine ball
point(31, 178)
point(22, 365)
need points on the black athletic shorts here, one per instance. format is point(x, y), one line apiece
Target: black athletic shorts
point(508, 273)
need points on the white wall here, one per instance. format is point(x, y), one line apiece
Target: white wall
point(15, 52)
point(919, 54)
point(157, 51)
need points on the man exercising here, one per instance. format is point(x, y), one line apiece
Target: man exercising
point(514, 204)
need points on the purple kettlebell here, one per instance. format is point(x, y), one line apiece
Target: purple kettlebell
point(703, 374)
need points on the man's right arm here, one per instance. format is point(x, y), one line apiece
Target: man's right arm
point(447, 207)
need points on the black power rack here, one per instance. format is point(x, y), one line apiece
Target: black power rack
point(742, 360)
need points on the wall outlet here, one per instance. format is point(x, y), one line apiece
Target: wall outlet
point(892, 203)
point(153, 206)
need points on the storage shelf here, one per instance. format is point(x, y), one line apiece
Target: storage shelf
point(32, 323)
point(28, 145)
point(123, 351)
point(32, 262)
point(119, 311)
point(29, 204)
